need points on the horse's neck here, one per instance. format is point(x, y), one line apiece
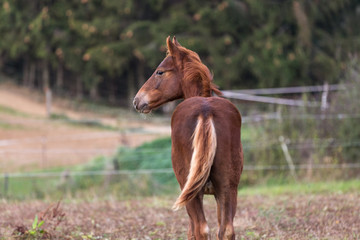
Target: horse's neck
point(195, 88)
point(195, 91)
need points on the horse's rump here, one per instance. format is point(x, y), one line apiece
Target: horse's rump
point(200, 128)
point(204, 149)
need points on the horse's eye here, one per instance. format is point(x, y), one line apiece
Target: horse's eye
point(158, 72)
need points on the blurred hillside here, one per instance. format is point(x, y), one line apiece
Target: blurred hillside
point(30, 139)
point(105, 49)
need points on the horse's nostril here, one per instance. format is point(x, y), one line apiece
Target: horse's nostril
point(140, 104)
point(136, 102)
point(143, 106)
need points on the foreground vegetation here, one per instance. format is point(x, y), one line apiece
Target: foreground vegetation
point(297, 215)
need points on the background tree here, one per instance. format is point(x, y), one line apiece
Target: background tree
point(106, 49)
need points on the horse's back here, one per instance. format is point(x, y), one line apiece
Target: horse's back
point(224, 114)
point(227, 123)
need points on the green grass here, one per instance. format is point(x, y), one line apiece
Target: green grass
point(27, 188)
point(127, 187)
point(4, 125)
point(11, 111)
point(247, 133)
point(82, 123)
point(338, 187)
point(102, 108)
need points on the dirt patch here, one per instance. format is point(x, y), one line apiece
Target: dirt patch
point(17, 100)
point(29, 140)
point(28, 144)
point(258, 217)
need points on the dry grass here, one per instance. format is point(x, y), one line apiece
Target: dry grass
point(325, 216)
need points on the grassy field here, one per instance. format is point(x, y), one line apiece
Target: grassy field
point(271, 205)
point(333, 187)
point(288, 211)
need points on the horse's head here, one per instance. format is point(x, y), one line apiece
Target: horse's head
point(180, 75)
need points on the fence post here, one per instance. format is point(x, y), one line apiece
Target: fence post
point(48, 98)
point(287, 157)
point(324, 97)
point(278, 113)
point(123, 138)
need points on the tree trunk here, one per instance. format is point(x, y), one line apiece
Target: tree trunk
point(32, 74)
point(26, 68)
point(94, 92)
point(140, 73)
point(79, 88)
point(45, 75)
point(1, 62)
point(131, 88)
point(302, 20)
point(59, 77)
point(112, 91)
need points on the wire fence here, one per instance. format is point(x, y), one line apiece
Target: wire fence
point(291, 90)
point(129, 183)
point(9, 148)
point(41, 148)
point(266, 144)
point(258, 145)
point(170, 170)
point(245, 119)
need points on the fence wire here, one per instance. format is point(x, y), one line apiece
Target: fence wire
point(262, 144)
point(170, 170)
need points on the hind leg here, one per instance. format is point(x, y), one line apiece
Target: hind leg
point(226, 198)
point(198, 228)
point(226, 209)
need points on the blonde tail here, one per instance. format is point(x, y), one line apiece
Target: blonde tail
point(204, 149)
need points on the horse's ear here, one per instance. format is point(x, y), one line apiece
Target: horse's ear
point(172, 48)
point(176, 42)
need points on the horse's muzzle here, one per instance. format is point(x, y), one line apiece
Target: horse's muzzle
point(140, 106)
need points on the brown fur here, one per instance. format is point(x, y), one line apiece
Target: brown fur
point(206, 147)
point(195, 72)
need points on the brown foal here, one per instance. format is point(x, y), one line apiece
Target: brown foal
point(206, 155)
